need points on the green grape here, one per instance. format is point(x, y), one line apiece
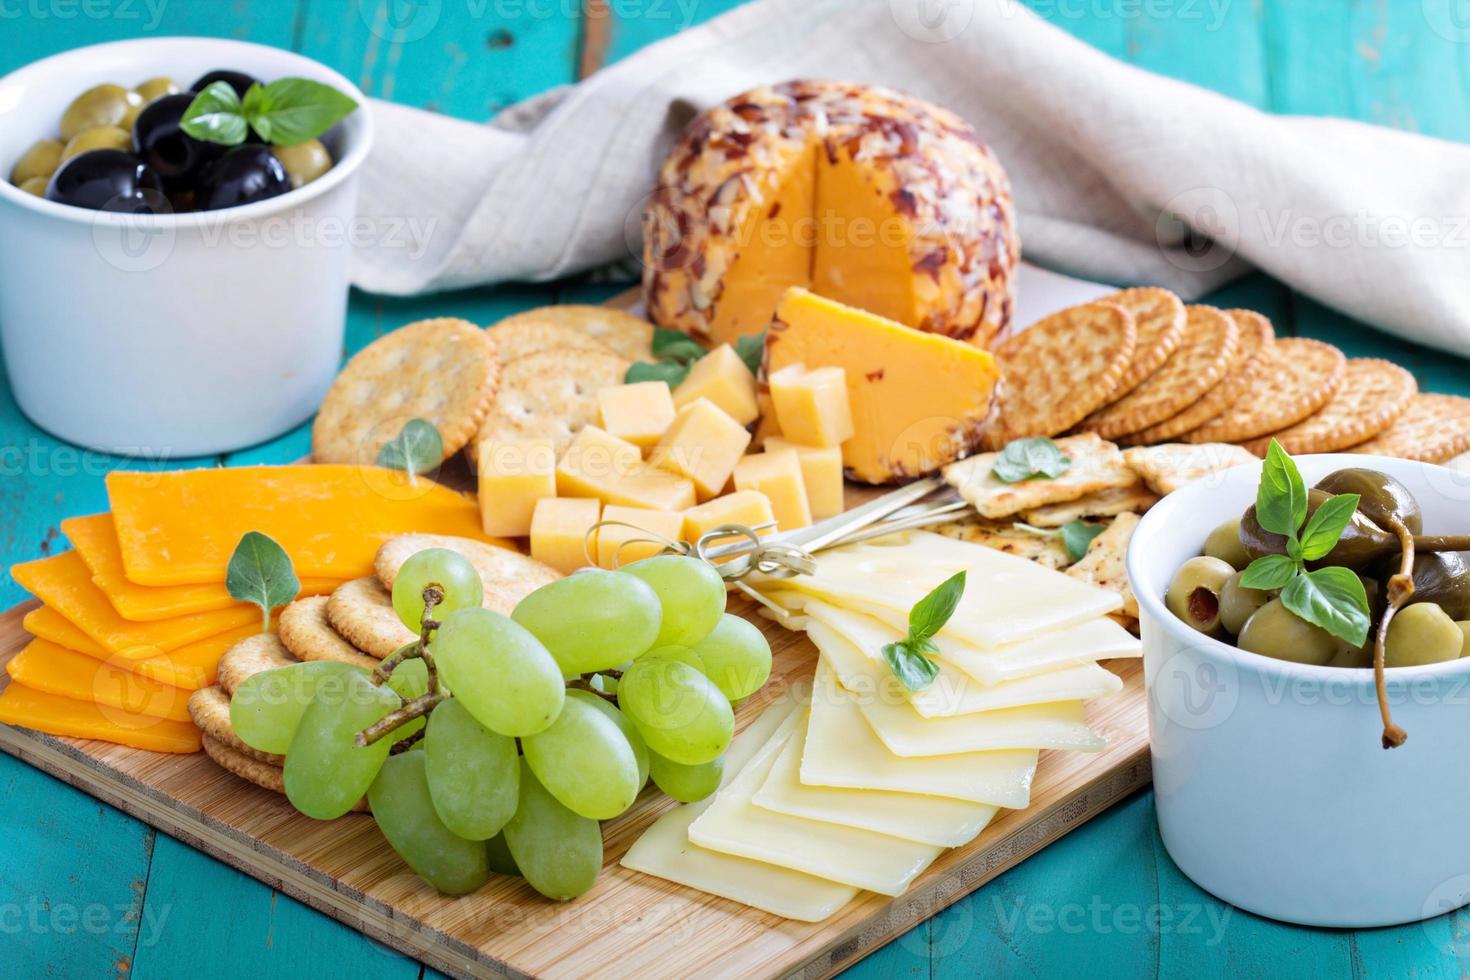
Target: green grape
point(449, 570)
point(266, 707)
point(401, 806)
point(625, 724)
point(410, 679)
point(498, 671)
point(593, 620)
point(498, 853)
point(679, 712)
point(326, 772)
point(584, 761)
point(690, 591)
point(472, 772)
point(682, 654)
point(558, 852)
point(687, 784)
point(736, 656)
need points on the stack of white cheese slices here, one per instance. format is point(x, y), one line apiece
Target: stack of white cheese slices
point(860, 783)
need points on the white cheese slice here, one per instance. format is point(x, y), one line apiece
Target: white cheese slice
point(664, 849)
point(927, 819)
point(733, 824)
point(842, 750)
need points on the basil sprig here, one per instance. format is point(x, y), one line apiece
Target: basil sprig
point(260, 572)
point(677, 352)
point(1030, 459)
point(416, 449)
point(286, 112)
point(907, 658)
point(1332, 598)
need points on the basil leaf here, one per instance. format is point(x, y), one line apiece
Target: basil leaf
point(913, 670)
point(1332, 598)
point(1077, 535)
point(1269, 572)
point(1027, 459)
point(1326, 526)
point(1281, 499)
point(669, 372)
point(216, 116)
point(676, 346)
point(260, 572)
point(417, 449)
point(752, 349)
point(931, 612)
point(289, 111)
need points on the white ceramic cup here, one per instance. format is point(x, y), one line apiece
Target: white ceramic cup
point(172, 335)
point(1273, 791)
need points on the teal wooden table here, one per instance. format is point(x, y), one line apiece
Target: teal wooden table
point(86, 891)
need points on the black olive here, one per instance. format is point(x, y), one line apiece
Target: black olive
point(174, 155)
point(237, 80)
point(242, 176)
point(1381, 495)
point(109, 179)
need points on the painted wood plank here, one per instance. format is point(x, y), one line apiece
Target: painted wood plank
point(633, 24)
point(1213, 43)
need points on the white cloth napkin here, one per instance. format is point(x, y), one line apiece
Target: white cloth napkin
point(1119, 174)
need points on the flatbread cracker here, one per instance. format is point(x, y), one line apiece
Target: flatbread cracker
point(1106, 563)
point(444, 371)
point(507, 576)
point(574, 325)
point(1044, 549)
point(1160, 318)
point(263, 651)
point(1197, 365)
point(1096, 465)
point(1168, 467)
point(1298, 377)
point(307, 633)
point(1058, 369)
point(362, 612)
point(1105, 503)
point(550, 394)
point(1432, 429)
point(1374, 393)
point(209, 709)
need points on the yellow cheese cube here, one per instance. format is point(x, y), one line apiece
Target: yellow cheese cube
point(513, 477)
point(767, 425)
point(600, 465)
point(821, 472)
point(703, 444)
point(748, 507)
point(811, 406)
point(778, 476)
point(722, 377)
point(562, 534)
point(650, 531)
point(638, 412)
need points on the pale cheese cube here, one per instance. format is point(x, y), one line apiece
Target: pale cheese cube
point(562, 532)
point(811, 405)
point(513, 477)
point(703, 444)
point(600, 465)
point(821, 471)
point(619, 544)
point(748, 507)
point(778, 476)
point(722, 377)
point(638, 412)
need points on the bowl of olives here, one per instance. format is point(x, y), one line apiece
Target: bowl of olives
point(177, 216)
point(1304, 629)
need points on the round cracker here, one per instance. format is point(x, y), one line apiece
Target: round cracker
point(520, 337)
point(263, 651)
point(1297, 378)
point(574, 325)
point(443, 371)
point(307, 633)
point(1059, 369)
point(362, 612)
point(1251, 357)
point(209, 709)
point(1374, 393)
point(251, 770)
point(1160, 318)
point(1434, 428)
point(1197, 365)
point(506, 576)
point(550, 394)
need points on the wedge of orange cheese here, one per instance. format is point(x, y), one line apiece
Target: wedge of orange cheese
point(918, 400)
point(190, 667)
point(57, 715)
point(865, 195)
point(45, 666)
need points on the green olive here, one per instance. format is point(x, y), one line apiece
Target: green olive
point(304, 162)
point(1194, 594)
point(41, 160)
point(1238, 604)
point(1224, 544)
point(35, 185)
point(98, 138)
point(1422, 634)
point(155, 88)
point(1350, 656)
point(1275, 631)
point(101, 105)
point(1464, 625)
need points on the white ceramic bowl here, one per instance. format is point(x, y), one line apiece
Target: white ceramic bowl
point(1272, 789)
point(172, 335)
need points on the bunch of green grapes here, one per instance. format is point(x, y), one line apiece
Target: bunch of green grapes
point(538, 725)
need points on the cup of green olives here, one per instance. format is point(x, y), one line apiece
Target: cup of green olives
point(1273, 789)
point(165, 295)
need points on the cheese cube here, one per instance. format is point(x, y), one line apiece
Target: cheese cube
point(638, 412)
point(821, 472)
point(767, 425)
point(562, 534)
point(651, 531)
point(748, 507)
point(513, 477)
point(600, 465)
point(778, 476)
point(722, 377)
point(703, 444)
point(811, 406)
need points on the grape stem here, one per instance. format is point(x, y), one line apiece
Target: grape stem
point(419, 706)
point(416, 708)
point(584, 683)
point(403, 745)
point(1400, 591)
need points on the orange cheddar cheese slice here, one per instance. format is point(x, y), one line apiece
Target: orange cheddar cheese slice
point(918, 400)
point(57, 715)
point(44, 666)
point(64, 583)
point(95, 538)
point(190, 667)
point(181, 528)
